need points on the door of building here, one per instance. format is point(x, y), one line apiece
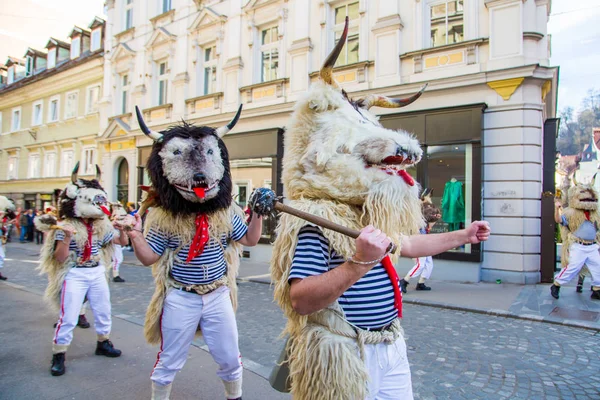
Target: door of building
point(548, 242)
point(123, 182)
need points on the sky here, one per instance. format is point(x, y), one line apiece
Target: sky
point(573, 25)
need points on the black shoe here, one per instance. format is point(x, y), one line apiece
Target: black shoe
point(579, 288)
point(107, 349)
point(118, 279)
point(58, 364)
point(595, 295)
point(2, 277)
point(554, 291)
point(421, 286)
point(403, 285)
point(82, 322)
point(55, 325)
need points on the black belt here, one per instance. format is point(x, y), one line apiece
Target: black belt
point(380, 329)
point(92, 264)
point(583, 243)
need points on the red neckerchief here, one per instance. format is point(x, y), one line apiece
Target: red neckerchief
point(587, 215)
point(391, 271)
point(200, 238)
point(87, 250)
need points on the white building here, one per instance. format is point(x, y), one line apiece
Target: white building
point(489, 105)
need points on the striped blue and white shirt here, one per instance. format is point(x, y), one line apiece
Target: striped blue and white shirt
point(369, 303)
point(96, 243)
point(204, 268)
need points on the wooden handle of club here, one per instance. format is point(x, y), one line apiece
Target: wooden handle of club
point(344, 230)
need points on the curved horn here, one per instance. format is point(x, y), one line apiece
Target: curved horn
point(98, 173)
point(374, 100)
point(327, 68)
point(221, 131)
point(75, 173)
point(575, 179)
point(157, 137)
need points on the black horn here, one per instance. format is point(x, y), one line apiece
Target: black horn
point(374, 100)
point(221, 131)
point(98, 173)
point(75, 173)
point(157, 137)
point(327, 68)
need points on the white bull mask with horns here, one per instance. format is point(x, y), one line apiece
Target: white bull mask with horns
point(84, 198)
point(336, 149)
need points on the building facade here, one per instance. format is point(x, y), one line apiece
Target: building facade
point(485, 121)
point(49, 117)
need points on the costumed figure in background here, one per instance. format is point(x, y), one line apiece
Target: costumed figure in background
point(194, 235)
point(453, 205)
point(7, 213)
point(580, 236)
point(341, 295)
point(76, 257)
point(424, 265)
point(117, 212)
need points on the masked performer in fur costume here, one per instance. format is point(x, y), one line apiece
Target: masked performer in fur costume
point(341, 295)
point(76, 256)
point(424, 265)
point(580, 234)
point(193, 238)
point(7, 213)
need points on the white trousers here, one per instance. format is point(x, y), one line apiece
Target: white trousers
point(423, 267)
point(578, 256)
point(389, 371)
point(182, 313)
point(2, 255)
point(117, 260)
point(79, 283)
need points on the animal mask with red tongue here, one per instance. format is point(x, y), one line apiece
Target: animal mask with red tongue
point(83, 198)
point(200, 192)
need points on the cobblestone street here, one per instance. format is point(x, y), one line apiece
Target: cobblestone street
point(453, 354)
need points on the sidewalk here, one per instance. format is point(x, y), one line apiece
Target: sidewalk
point(530, 302)
point(25, 360)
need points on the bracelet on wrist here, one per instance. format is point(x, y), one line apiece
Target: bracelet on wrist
point(353, 261)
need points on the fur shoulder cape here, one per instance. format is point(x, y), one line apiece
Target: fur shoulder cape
point(323, 366)
point(57, 271)
point(183, 226)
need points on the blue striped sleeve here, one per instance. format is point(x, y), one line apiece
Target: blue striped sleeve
point(311, 256)
point(157, 241)
point(239, 228)
point(59, 235)
point(108, 237)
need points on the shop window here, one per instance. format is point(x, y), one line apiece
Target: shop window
point(349, 53)
point(247, 175)
point(453, 172)
point(446, 22)
point(269, 54)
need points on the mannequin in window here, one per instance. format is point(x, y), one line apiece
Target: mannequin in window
point(453, 204)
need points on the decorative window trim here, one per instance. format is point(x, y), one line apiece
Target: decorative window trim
point(427, 4)
point(273, 45)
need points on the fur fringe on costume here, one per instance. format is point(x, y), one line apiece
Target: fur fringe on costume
point(57, 271)
point(184, 227)
point(323, 365)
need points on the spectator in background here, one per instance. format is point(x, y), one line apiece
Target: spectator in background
point(39, 235)
point(17, 223)
point(23, 223)
point(30, 226)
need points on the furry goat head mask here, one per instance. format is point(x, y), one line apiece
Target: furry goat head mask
point(336, 149)
point(583, 196)
point(189, 167)
point(83, 198)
